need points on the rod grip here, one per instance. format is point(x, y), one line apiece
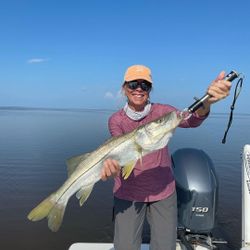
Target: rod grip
point(197, 104)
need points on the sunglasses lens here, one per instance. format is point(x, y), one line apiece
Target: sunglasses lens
point(133, 85)
point(145, 86)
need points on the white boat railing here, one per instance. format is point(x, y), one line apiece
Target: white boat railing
point(246, 198)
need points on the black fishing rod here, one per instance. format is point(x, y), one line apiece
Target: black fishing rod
point(199, 102)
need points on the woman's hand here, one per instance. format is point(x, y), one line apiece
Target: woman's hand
point(218, 89)
point(110, 168)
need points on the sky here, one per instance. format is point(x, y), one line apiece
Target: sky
point(73, 54)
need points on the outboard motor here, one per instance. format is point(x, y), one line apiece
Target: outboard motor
point(197, 192)
point(197, 189)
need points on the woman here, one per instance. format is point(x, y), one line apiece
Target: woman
point(149, 192)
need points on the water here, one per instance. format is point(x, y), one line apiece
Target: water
point(34, 145)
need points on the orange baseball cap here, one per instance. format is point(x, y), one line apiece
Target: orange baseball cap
point(138, 72)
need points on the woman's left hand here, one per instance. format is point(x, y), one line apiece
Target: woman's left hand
point(218, 89)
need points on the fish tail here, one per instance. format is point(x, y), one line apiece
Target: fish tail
point(42, 210)
point(55, 216)
point(50, 208)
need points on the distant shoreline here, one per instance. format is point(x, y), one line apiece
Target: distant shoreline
point(22, 108)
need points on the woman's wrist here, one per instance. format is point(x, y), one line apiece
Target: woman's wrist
point(204, 109)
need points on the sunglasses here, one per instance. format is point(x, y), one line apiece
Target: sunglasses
point(145, 86)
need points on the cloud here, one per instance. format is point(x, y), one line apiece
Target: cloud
point(110, 95)
point(37, 60)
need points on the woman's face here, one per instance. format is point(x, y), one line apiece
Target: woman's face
point(137, 98)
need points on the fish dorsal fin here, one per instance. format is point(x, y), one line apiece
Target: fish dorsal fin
point(83, 194)
point(127, 169)
point(139, 150)
point(74, 161)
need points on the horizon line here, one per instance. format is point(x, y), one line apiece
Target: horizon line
point(88, 109)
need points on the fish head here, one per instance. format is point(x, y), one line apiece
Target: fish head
point(156, 134)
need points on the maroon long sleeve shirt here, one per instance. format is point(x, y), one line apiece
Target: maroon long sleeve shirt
point(153, 179)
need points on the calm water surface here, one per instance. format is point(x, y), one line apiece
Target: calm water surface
point(34, 145)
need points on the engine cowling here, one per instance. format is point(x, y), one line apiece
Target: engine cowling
point(197, 189)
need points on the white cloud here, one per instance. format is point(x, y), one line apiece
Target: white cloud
point(113, 96)
point(109, 95)
point(37, 60)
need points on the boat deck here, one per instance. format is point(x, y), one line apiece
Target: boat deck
point(109, 246)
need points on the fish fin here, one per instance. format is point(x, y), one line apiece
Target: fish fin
point(83, 194)
point(127, 169)
point(139, 150)
point(51, 209)
point(55, 216)
point(74, 161)
point(140, 159)
point(42, 210)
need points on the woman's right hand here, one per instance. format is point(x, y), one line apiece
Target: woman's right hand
point(110, 168)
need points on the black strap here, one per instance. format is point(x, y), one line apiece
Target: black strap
point(237, 90)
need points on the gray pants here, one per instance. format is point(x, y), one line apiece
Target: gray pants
point(129, 219)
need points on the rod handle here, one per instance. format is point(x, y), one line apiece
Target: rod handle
point(197, 104)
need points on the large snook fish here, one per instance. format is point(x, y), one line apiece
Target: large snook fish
point(85, 170)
